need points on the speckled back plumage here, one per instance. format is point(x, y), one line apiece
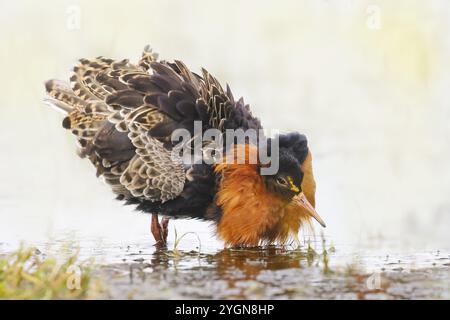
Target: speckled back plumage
point(123, 116)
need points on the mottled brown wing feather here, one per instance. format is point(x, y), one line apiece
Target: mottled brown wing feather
point(153, 173)
point(124, 114)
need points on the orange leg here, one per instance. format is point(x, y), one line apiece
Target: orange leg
point(165, 228)
point(159, 230)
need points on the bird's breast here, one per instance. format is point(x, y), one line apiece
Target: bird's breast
point(249, 212)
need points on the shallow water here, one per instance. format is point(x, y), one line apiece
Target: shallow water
point(276, 273)
point(201, 269)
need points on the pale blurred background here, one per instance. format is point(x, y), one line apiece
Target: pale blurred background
point(367, 81)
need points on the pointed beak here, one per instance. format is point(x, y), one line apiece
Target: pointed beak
point(303, 202)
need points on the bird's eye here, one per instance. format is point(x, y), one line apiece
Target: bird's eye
point(282, 181)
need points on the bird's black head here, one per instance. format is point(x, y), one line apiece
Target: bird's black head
point(293, 149)
point(288, 180)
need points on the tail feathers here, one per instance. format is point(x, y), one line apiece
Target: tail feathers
point(61, 96)
point(83, 99)
point(92, 81)
point(58, 105)
point(83, 118)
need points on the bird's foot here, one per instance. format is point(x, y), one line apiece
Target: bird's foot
point(159, 230)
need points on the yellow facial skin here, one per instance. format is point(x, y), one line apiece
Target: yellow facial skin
point(294, 188)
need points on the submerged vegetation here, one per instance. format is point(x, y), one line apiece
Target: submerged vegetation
point(28, 274)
